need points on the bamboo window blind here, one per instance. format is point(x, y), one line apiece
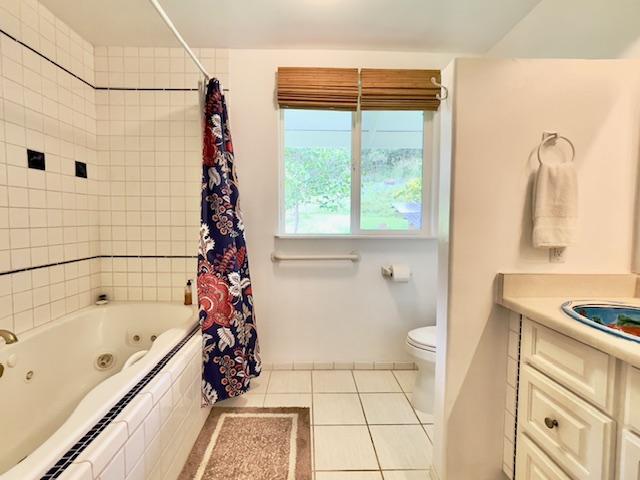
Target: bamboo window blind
point(346, 88)
point(384, 89)
point(319, 88)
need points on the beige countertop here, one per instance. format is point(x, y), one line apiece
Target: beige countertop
point(547, 311)
point(546, 308)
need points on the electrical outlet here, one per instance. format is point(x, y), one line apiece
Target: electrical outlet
point(557, 255)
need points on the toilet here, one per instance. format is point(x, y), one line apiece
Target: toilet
point(421, 343)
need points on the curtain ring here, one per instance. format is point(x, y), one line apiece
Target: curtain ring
point(556, 137)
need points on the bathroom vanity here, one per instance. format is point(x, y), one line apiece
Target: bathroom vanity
point(573, 398)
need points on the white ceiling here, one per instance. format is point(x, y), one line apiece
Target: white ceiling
point(471, 26)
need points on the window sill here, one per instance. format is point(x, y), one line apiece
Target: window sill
point(290, 236)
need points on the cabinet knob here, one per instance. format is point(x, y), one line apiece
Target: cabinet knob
point(550, 422)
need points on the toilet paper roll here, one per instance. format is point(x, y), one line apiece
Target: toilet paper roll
point(400, 272)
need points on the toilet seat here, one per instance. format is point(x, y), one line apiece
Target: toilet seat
point(423, 338)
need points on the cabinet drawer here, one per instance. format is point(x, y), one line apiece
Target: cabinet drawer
point(573, 433)
point(582, 369)
point(629, 456)
point(632, 400)
point(533, 464)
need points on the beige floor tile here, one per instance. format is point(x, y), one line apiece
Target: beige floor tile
point(256, 400)
point(402, 446)
point(289, 381)
point(406, 475)
point(259, 385)
point(424, 417)
point(406, 378)
point(333, 381)
point(388, 409)
point(348, 476)
point(287, 400)
point(430, 431)
point(376, 381)
point(337, 409)
point(344, 448)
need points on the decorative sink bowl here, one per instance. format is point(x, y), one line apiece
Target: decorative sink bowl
point(614, 318)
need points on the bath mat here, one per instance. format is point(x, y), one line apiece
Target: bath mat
point(252, 444)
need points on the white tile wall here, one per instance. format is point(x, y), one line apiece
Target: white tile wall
point(142, 149)
point(149, 151)
point(45, 216)
point(32, 23)
point(140, 67)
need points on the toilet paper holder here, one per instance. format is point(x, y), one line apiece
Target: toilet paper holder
point(387, 272)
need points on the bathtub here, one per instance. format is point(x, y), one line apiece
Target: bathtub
point(67, 386)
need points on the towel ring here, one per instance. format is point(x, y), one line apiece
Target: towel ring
point(555, 136)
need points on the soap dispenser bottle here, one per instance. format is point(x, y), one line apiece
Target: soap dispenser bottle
point(188, 296)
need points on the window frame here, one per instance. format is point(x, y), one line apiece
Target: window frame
point(428, 152)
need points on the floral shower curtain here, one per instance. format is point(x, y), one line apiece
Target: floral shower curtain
point(230, 343)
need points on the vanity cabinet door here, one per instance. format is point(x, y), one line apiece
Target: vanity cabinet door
point(573, 433)
point(632, 400)
point(533, 464)
point(629, 456)
point(584, 370)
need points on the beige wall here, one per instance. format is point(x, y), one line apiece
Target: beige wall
point(501, 108)
point(324, 312)
point(443, 221)
point(575, 29)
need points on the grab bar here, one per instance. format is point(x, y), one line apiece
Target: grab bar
point(281, 257)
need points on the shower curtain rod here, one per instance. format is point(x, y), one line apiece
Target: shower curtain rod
point(184, 44)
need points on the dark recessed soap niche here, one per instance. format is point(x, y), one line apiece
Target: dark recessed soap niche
point(35, 159)
point(81, 169)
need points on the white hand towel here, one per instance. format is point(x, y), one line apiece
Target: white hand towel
point(555, 205)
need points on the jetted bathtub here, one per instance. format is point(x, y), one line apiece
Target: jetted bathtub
point(61, 379)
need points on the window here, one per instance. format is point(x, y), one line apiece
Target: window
point(391, 170)
point(358, 173)
point(317, 171)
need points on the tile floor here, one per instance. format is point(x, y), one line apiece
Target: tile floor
point(364, 427)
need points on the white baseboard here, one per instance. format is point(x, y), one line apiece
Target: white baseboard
point(324, 365)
